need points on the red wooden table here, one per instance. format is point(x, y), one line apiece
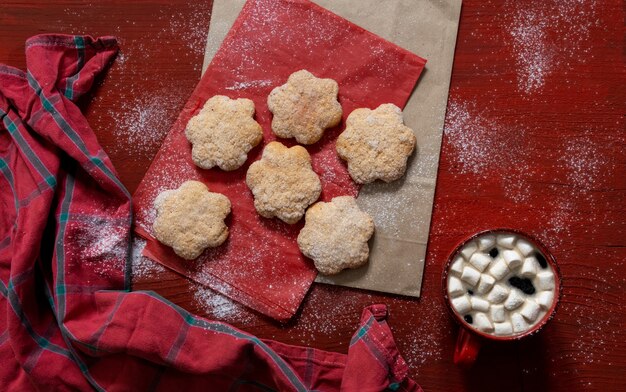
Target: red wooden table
point(534, 140)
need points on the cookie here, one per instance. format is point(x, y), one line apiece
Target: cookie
point(304, 107)
point(191, 219)
point(335, 235)
point(376, 144)
point(223, 133)
point(283, 182)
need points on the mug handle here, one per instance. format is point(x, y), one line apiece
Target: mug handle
point(467, 348)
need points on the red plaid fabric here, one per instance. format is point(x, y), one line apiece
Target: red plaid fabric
point(70, 321)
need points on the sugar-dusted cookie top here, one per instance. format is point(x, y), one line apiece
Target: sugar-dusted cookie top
point(223, 133)
point(304, 107)
point(376, 144)
point(191, 219)
point(283, 182)
point(335, 235)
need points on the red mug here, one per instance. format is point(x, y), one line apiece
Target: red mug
point(469, 340)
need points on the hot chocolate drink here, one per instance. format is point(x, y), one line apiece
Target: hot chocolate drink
point(501, 284)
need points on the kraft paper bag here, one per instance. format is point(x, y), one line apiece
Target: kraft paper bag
point(402, 209)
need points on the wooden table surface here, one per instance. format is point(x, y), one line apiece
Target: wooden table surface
point(534, 140)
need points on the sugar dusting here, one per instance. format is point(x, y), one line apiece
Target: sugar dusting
point(143, 116)
point(141, 124)
point(389, 221)
point(325, 164)
point(249, 84)
point(598, 318)
point(479, 142)
point(583, 162)
point(424, 336)
point(546, 35)
point(99, 243)
point(192, 26)
point(143, 267)
point(339, 319)
point(219, 307)
point(533, 54)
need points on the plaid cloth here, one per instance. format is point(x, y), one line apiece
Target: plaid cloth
point(70, 320)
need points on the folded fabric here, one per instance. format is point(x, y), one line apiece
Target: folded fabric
point(69, 320)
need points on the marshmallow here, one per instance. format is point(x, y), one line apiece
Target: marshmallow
point(498, 294)
point(462, 304)
point(455, 287)
point(470, 275)
point(503, 328)
point(499, 269)
point(545, 298)
point(485, 284)
point(514, 300)
point(468, 250)
point(481, 321)
point(513, 258)
point(519, 324)
point(525, 247)
point(544, 280)
point(530, 311)
point(506, 240)
point(497, 313)
point(529, 268)
point(457, 265)
point(480, 261)
point(479, 304)
point(486, 242)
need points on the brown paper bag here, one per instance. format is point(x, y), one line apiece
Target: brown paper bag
point(401, 210)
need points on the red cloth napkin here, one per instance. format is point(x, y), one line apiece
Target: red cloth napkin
point(260, 265)
point(68, 320)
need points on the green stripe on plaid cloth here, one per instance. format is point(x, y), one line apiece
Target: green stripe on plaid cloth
point(16, 129)
point(80, 49)
point(6, 172)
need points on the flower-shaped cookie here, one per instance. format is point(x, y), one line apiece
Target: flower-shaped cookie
point(223, 133)
point(283, 182)
point(191, 219)
point(335, 235)
point(304, 107)
point(376, 144)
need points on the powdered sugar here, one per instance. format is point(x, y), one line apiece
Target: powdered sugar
point(423, 343)
point(479, 142)
point(148, 100)
point(249, 84)
point(98, 238)
point(325, 164)
point(548, 34)
point(390, 219)
point(534, 57)
point(598, 317)
point(141, 124)
point(109, 242)
point(143, 267)
point(318, 320)
point(192, 25)
point(583, 162)
point(219, 307)
point(99, 243)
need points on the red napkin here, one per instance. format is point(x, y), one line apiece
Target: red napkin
point(260, 265)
